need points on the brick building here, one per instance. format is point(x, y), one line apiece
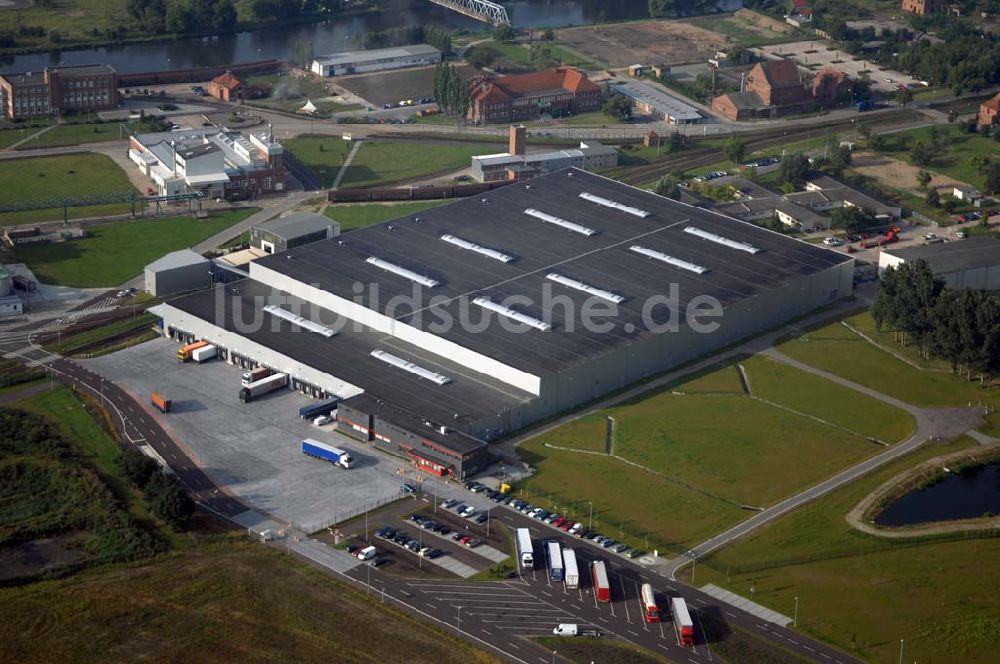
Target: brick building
point(989, 112)
point(828, 86)
point(777, 83)
point(526, 96)
point(54, 91)
point(774, 88)
point(228, 87)
point(924, 7)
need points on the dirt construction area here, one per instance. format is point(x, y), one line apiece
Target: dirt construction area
point(895, 173)
point(645, 42)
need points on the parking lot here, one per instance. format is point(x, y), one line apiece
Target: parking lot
point(815, 55)
point(253, 449)
point(390, 87)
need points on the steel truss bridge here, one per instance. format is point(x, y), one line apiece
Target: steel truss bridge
point(481, 10)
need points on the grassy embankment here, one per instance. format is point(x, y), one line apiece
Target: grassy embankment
point(352, 216)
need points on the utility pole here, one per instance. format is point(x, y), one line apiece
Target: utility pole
point(795, 617)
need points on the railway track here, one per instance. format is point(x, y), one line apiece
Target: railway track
point(699, 157)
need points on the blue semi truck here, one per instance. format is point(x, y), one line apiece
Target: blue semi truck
point(313, 410)
point(334, 455)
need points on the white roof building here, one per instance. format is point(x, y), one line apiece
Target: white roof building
point(653, 101)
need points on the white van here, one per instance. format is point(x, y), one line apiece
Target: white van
point(367, 553)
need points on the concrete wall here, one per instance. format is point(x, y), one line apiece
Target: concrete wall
point(982, 278)
point(179, 279)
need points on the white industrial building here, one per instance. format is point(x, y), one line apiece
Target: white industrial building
point(973, 263)
point(656, 103)
point(590, 156)
point(380, 59)
point(363, 316)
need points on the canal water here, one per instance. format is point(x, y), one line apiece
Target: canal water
point(327, 37)
point(958, 496)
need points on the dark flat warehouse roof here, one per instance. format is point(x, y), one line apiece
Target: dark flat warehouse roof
point(410, 421)
point(346, 355)
point(602, 260)
point(969, 254)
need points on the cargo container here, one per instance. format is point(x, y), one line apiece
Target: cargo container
point(602, 587)
point(525, 550)
point(184, 352)
point(253, 375)
point(571, 573)
point(682, 622)
point(650, 611)
point(263, 386)
point(161, 404)
point(335, 455)
point(313, 410)
point(204, 353)
point(554, 554)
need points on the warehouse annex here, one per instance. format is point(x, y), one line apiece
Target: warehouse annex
point(492, 264)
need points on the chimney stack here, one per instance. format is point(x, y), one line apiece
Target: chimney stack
point(516, 145)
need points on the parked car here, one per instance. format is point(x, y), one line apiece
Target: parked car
point(448, 504)
point(461, 507)
point(378, 562)
point(482, 518)
point(619, 548)
point(832, 241)
point(565, 526)
point(960, 235)
point(322, 420)
point(409, 489)
point(385, 533)
point(434, 553)
point(467, 512)
point(608, 543)
point(413, 546)
point(634, 553)
point(472, 542)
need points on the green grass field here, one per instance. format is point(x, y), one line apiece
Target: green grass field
point(874, 590)
point(54, 178)
point(712, 450)
point(352, 216)
point(76, 134)
point(840, 351)
point(956, 150)
point(380, 162)
point(113, 253)
point(10, 136)
point(742, 32)
point(238, 601)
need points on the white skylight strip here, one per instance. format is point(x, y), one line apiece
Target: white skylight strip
point(568, 225)
point(586, 288)
point(294, 319)
point(403, 272)
point(415, 369)
point(606, 202)
point(670, 260)
point(472, 246)
point(486, 303)
point(718, 239)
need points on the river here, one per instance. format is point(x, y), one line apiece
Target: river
point(327, 37)
point(958, 496)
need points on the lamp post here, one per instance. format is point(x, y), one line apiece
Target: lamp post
point(590, 521)
point(795, 617)
point(459, 620)
point(901, 651)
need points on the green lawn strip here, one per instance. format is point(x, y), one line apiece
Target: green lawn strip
point(67, 414)
point(588, 651)
point(850, 583)
point(838, 350)
point(650, 511)
point(514, 52)
point(816, 396)
point(113, 253)
point(714, 380)
point(57, 214)
point(383, 162)
point(240, 601)
point(75, 134)
point(865, 324)
point(61, 176)
point(953, 156)
point(10, 136)
point(352, 216)
point(69, 343)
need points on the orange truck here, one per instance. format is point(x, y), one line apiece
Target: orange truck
point(160, 403)
point(184, 352)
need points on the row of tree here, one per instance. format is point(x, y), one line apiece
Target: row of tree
point(167, 500)
point(411, 34)
point(450, 92)
point(960, 326)
point(282, 10)
point(182, 16)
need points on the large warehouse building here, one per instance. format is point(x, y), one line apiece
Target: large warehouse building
point(459, 324)
point(972, 263)
point(360, 62)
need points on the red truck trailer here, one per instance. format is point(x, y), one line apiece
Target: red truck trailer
point(682, 622)
point(650, 611)
point(602, 588)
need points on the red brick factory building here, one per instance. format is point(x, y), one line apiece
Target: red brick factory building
point(506, 99)
point(54, 91)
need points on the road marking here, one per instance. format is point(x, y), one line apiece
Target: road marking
point(730, 614)
point(793, 641)
point(825, 655)
point(632, 633)
point(486, 631)
point(433, 606)
point(514, 645)
point(808, 648)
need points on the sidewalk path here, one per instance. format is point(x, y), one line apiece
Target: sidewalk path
point(347, 164)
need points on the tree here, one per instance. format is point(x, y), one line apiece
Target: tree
point(736, 53)
point(504, 33)
point(852, 219)
point(618, 107)
point(876, 142)
point(838, 159)
point(669, 186)
point(904, 96)
point(480, 56)
point(992, 176)
point(980, 162)
point(541, 57)
point(952, 116)
point(923, 179)
point(138, 467)
point(676, 141)
point(302, 53)
point(921, 154)
point(735, 150)
point(548, 34)
point(793, 169)
point(168, 502)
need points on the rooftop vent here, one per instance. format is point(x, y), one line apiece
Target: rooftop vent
point(402, 272)
point(295, 319)
point(568, 225)
point(415, 369)
point(718, 239)
point(472, 246)
point(531, 321)
point(606, 202)
point(670, 260)
point(586, 288)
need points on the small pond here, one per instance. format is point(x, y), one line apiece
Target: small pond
point(964, 495)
